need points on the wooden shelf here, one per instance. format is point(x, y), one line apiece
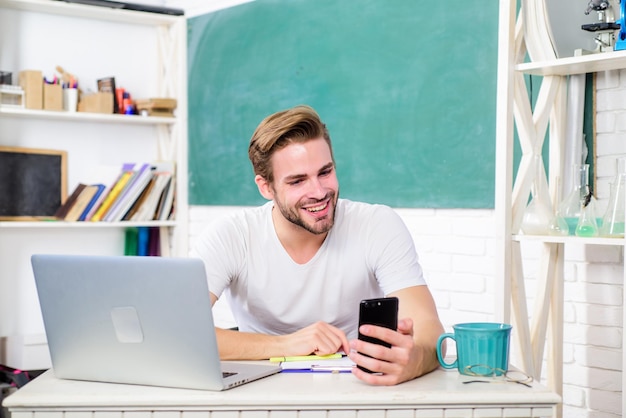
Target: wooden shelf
point(570, 240)
point(85, 116)
point(91, 12)
point(64, 224)
point(612, 60)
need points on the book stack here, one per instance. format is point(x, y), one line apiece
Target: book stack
point(156, 107)
point(145, 241)
point(139, 192)
point(80, 203)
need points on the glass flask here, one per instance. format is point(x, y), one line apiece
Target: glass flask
point(537, 217)
point(558, 226)
point(587, 225)
point(613, 219)
point(570, 207)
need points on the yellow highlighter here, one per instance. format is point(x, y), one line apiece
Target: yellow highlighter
point(305, 358)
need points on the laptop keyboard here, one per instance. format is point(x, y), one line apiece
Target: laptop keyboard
point(228, 374)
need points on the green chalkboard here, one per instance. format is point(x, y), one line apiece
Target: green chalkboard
point(407, 89)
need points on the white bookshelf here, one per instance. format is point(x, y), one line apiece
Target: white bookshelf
point(146, 53)
point(540, 327)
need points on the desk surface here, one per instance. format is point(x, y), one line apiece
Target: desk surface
point(434, 394)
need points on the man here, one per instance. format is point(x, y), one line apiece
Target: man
point(296, 268)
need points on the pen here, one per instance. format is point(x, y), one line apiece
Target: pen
point(304, 358)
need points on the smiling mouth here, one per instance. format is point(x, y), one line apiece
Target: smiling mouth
point(317, 208)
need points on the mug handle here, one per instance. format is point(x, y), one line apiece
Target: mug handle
point(439, 357)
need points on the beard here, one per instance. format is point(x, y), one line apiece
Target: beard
point(316, 226)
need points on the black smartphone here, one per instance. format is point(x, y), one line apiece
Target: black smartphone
point(382, 312)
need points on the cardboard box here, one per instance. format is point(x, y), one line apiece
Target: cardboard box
point(32, 83)
point(96, 103)
point(52, 97)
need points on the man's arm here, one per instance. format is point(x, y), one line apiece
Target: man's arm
point(318, 338)
point(413, 351)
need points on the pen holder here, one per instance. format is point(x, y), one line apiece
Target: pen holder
point(70, 99)
point(32, 83)
point(52, 97)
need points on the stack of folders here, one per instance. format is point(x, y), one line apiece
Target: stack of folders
point(139, 192)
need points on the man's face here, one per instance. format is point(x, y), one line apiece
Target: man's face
point(305, 187)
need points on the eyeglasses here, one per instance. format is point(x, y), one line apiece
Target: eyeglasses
point(496, 375)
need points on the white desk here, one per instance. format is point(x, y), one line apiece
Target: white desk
point(438, 394)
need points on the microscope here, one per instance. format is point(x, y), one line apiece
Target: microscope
point(605, 26)
point(606, 38)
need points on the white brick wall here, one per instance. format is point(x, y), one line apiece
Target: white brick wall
point(456, 250)
point(610, 127)
point(594, 280)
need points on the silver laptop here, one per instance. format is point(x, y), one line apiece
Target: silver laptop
point(138, 320)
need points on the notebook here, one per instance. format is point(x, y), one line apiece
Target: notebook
point(137, 320)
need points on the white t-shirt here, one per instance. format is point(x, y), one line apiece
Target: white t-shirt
point(368, 253)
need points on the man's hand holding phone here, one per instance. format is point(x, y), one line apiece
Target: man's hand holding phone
point(382, 312)
point(385, 347)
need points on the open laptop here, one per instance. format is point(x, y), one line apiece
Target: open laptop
point(138, 320)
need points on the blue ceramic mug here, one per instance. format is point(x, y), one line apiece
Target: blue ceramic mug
point(482, 348)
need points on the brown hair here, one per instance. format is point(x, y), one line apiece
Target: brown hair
point(275, 132)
